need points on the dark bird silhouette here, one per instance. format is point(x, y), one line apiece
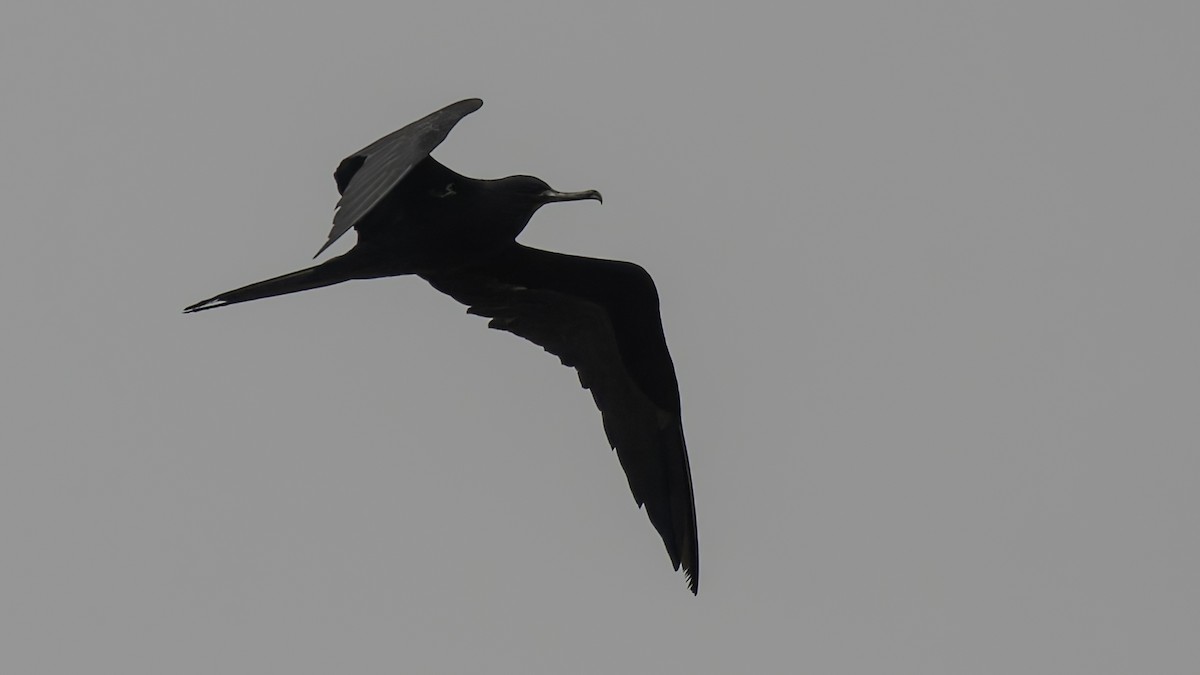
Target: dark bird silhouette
point(601, 317)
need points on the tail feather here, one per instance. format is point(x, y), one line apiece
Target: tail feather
point(303, 280)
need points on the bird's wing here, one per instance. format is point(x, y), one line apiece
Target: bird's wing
point(602, 318)
point(366, 176)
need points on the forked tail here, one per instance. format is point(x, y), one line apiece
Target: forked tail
point(326, 274)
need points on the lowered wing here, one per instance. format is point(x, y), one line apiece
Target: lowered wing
point(601, 317)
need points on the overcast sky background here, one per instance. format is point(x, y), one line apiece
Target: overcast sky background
point(929, 275)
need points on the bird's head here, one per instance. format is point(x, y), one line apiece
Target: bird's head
point(531, 192)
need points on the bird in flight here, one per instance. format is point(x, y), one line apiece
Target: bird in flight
point(415, 216)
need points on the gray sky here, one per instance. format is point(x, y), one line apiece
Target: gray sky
point(929, 277)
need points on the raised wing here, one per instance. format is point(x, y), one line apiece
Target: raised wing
point(601, 317)
point(366, 176)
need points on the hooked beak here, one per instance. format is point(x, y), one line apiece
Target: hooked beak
point(556, 196)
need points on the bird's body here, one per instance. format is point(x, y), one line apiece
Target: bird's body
point(415, 216)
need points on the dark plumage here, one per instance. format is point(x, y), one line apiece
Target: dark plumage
point(415, 216)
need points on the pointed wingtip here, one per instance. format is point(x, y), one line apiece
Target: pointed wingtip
point(691, 575)
point(322, 249)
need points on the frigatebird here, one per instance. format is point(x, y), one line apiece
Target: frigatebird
point(415, 216)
